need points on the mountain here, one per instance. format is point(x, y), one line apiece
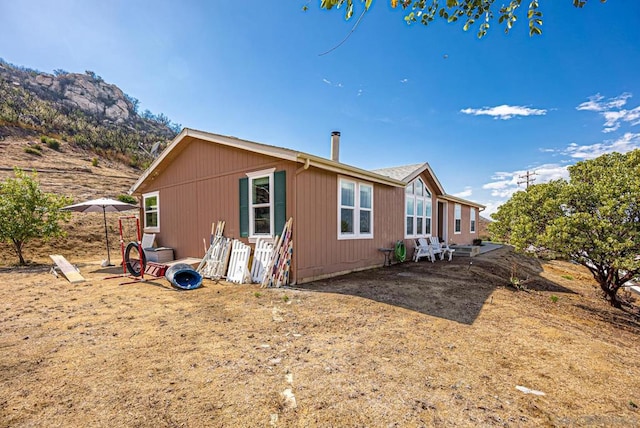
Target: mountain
point(81, 109)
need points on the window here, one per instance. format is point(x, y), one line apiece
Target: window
point(151, 207)
point(472, 220)
point(263, 203)
point(458, 219)
point(417, 209)
point(355, 210)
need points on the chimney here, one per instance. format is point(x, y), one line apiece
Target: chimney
point(335, 146)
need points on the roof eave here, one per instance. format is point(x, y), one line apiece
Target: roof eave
point(260, 148)
point(452, 198)
point(345, 169)
point(425, 167)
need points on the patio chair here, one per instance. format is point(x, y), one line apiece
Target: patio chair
point(440, 248)
point(423, 249)
point(148, 239)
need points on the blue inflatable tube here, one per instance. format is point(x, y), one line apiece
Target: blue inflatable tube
point(183, 276)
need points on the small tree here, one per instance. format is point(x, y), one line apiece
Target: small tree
point(27, 213)
point(594, 219)
point(523, 219)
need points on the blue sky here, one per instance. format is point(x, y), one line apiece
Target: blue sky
point(481, 112)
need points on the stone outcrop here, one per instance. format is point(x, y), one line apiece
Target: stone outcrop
point(86, 92)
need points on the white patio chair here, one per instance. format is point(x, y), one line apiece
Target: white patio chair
point(423, 249)
point(440, 248)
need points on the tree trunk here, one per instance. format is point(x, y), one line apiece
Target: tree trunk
point(611, 294)
point(17, 246)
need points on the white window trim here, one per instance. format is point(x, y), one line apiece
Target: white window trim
point(252, 176)
point(457, 210)
point(151, 229)
point(356, 210)
point(472, 220)
point(415, 205)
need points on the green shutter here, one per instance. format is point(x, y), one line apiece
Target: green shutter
point(244, 207)
point(280, 201)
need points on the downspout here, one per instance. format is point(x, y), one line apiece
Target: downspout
point(294, 262)
point(303, 168)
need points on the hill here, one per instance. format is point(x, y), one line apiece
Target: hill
point(70, 171)
point(81, 109)
point(84, 137)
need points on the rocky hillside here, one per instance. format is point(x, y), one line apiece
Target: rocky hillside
point(81, 109)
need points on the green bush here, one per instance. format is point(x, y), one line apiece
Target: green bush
point(53, 144)
point(94, 161)
point(128, 199)
point(36, 150)
point(477, 241)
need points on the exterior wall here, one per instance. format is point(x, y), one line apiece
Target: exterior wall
point(465, 237)
point(318, 251)
point(410, 242)
point(201, 186)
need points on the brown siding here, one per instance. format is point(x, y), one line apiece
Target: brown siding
point(201, 187)
point(465, 237)
point(319, 252)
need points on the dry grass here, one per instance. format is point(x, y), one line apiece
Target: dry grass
point(416, 344)
point(412, 345)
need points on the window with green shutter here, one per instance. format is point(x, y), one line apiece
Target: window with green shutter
point(262, 203)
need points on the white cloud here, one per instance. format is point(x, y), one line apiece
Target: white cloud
point(405, 80)
point(505, 184)
point(611, 110)
point(328, 82)
point(491, 207)
point(504, 111)
point(629, 141)
point(595, 102)
point(359, 92)
point(613, 118)
point(465, 193)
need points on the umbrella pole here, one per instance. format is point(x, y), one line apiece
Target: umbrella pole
point(106, 235)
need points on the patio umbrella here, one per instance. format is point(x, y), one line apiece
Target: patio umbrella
point(104, 206)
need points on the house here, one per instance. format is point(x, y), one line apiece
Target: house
point(342, 214)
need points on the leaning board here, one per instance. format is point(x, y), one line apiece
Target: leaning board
point(67, 270)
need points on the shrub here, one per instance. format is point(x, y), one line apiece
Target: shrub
point(53, 144)
point(128, 199)
point(36, 150)
point(477, 241)
point(94, 161)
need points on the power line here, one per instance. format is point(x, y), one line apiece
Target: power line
point(528, 179)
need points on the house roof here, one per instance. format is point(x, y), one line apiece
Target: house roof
point(408, 173)
point(398, 172)
point(182, 139)
point(396, 176)
point(452, 198)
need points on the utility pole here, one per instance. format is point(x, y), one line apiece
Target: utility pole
point(528, 178)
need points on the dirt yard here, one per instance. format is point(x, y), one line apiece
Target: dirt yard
point(415, 344)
